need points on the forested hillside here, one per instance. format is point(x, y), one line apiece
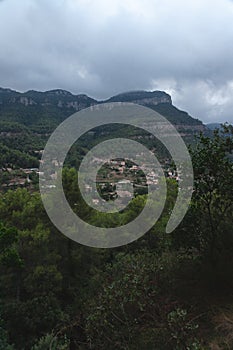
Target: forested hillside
point(162, 292)
point(27, 120)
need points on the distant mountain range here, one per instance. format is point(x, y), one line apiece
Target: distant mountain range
point(213, 126)
point(43, 111)
point(27, 120)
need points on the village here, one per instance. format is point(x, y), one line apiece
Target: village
point(116, 178)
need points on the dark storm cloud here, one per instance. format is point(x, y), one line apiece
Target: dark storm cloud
point(109, 46)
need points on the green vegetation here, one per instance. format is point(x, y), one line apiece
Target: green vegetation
point(27, 120)
point(14, 159)
point(164, 291)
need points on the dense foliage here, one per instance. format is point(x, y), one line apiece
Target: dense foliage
point(164, 291)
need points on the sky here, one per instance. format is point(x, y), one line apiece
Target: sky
point(105, 47)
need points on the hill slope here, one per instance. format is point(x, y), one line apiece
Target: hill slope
point(42, 111)
point(27, 119)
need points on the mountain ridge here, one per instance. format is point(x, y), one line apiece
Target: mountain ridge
point(42, 111)
point(50, 96)
point(27, 120)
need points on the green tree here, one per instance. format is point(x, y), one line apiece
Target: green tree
point(207, 227)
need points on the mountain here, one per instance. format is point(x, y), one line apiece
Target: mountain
point(43, 111)
point(59, 98)
point(213, 126)
point(161, 102)
point(27, 119)
point(142, 97)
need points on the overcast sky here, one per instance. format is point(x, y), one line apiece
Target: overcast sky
point(104, 47)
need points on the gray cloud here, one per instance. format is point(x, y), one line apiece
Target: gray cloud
point(106, 47)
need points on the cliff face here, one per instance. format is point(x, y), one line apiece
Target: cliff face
point(57, 98)
point(143, 97)
point(65, 99)
point(161, 102)
point(34, 108)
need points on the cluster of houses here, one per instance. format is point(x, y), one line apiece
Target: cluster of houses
point(117, 178)
point(18, 177)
